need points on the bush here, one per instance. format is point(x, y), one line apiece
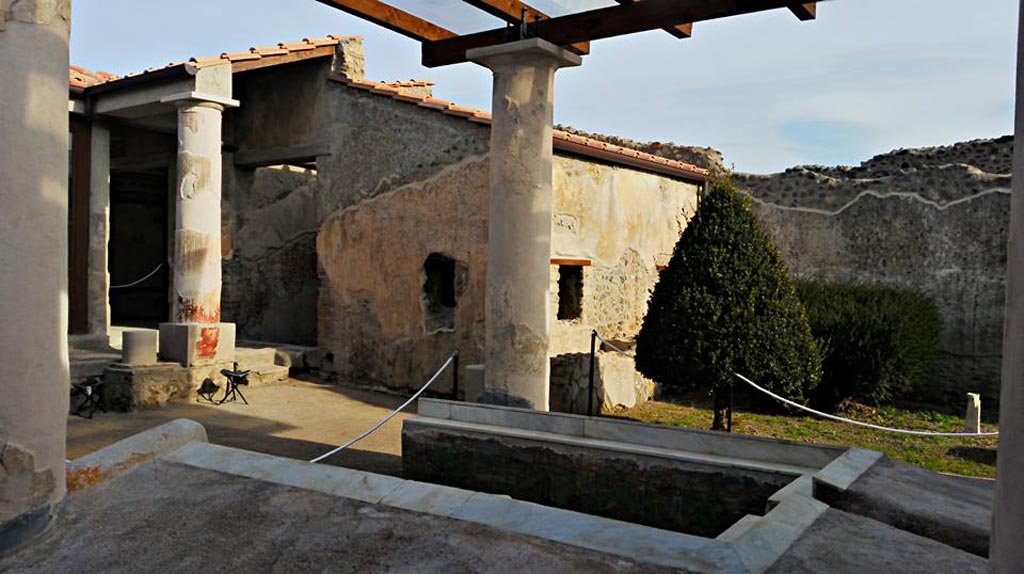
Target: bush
point(726, 304)
point(878, 342)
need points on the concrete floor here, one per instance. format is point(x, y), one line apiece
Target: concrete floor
point(296, 419)
point(164, 517)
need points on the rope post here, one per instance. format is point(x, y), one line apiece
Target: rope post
point(590, 391)
point(455, 375)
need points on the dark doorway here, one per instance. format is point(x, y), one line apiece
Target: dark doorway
point(139, 278)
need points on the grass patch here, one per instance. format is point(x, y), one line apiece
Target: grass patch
point(965, 456)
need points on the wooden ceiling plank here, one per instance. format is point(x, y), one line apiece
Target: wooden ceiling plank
point(681, 31)
point(600, 23)
point(512, 11)
point(394, 19)
point(805, 11)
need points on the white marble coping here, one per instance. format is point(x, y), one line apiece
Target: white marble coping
point(641, 543)
point(612, 446)
point(846, 469)
point(796, 454)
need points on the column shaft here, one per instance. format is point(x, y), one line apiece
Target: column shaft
point(33, 265)
point(518, 266)
point(1007, 553)
point(197, 247)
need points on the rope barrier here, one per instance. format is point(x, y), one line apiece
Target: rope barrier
point(613, 347)
point(391, 415)
point(859, 423)
point(134, 283)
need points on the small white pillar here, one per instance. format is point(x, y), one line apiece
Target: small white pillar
point(34, 387)
point(1006, 553)
point(518, 266)
point(972, 418)
point(195, 334)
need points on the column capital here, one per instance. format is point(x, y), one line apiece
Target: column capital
point(198, 99)
point(535, 48)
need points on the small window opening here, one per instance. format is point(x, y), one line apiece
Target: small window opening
point(439, 297)
point(570, 292)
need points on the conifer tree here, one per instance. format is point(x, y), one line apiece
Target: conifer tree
point(726, 304)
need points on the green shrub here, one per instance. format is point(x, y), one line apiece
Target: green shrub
point(878, 342)
point(726, 304)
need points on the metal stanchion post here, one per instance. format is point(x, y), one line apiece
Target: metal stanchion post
point(590, 390)
point(455, 375)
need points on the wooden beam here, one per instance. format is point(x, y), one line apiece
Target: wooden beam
point(393, 19)
point(600, 23)
point(805, 11)
point(681, 31)
point(512, 11)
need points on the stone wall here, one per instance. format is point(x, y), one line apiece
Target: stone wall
point(933, 220)
point(269, 248)
point(372, 253)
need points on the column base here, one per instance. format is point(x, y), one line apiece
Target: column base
point(192, 344)
point(28, 528)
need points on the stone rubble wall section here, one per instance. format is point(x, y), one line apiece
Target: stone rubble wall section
point(916, 219)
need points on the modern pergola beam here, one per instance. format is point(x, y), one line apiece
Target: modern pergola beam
point(394, 19)
point(601, 23)
point(513, 12)
point(805, 11)
point(682, 31)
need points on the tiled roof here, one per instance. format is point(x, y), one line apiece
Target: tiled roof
point(564, 141)
point(405, 91)
point(80, 78)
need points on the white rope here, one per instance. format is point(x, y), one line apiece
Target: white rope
point(134, 283)
point(613, 347)
point(858, 423)
point(391, 415)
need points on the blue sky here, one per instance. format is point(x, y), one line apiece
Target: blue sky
point(769, 91)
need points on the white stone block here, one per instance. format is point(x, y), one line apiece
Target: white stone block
point(139, 347)
point(972, 420)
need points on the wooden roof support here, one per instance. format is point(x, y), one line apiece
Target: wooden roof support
point(601, 23)
point(393, 19)
point(682, 31)
point(805, 11)
point(512, 11)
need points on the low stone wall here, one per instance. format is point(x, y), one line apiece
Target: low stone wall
point(617, 384)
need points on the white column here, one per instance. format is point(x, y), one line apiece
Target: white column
point(33, 265)
point(519, 257)
point(195, 334)
point(99, 231)
point(1006, 554)
point(197, 264)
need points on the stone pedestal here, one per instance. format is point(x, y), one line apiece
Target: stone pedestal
point(1007, 552)
point(518, 266)
point(33, 259)
point(191, 344)
point(139, 347)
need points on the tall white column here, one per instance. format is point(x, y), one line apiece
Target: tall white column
point(519, 257)
point(195, 334)
point(197, 261)
point(33, 265)
point(1006, 554)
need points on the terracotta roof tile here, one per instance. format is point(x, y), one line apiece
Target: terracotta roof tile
point(436, 104)
point(83, 79)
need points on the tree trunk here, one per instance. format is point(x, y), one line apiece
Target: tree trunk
point(721, 409)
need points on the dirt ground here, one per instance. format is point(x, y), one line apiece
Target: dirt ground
point(295, 419)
